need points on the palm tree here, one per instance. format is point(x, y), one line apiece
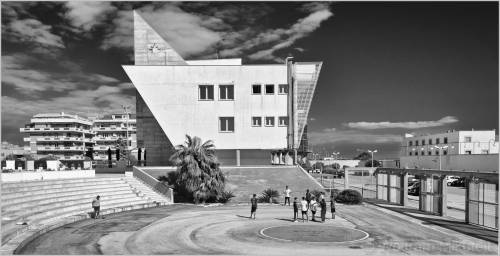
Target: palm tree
point(198, 169)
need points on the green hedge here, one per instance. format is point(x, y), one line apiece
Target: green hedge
point(349, 196)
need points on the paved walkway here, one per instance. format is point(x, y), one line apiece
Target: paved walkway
point(184, 229)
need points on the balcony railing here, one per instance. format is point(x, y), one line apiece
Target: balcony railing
point(57, 129)
point(100, 148)
point(59, 148)
point(97, 129)
point(59, 139)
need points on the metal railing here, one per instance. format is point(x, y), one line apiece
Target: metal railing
point(153, 183)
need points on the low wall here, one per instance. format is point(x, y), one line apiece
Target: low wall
point(153, 183)
point(51, 175)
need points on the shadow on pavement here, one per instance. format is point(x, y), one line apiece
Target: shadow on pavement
point(245, 217)
point(458, 226)
point(289, 220)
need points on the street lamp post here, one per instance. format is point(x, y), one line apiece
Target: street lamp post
point(125, 109)
point(440, 152)
point(372, 151)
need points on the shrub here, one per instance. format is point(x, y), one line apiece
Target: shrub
point(269, 195)
point(225, 197)
point(334, 192)
point(349, 196)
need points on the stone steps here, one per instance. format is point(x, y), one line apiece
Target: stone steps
point(42, 203)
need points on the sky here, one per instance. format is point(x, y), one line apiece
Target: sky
point(388, 68)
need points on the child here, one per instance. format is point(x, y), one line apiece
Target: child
point(253, 202)
point(295, 209)
point(332, 206)
point(304, 208)
point(313, 206)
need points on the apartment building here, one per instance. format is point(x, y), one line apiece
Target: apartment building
point(109, 129)
point(248, 111)
point(458, 150)
point(63, 135)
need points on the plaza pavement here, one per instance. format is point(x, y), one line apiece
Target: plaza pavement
point(188, 229)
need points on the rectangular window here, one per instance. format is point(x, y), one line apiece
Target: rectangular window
point(468, 152)
point(437, 152)
point(430, 141)
point(468, 139)
point(485, 151)
point(269, 88)
point(445, 140)
point(256, 89)
point(283, 121)
point(445, 152)
point(410, 143)
point(256, 121)
point(269, 120)
point(206, 92)
point(429, 153)
point(423, 142)
point(416, 153)
point(437, 141)
point(226, 92)
point(283, 89)
point(410, 153)
point(416, 143)
point(226, 124)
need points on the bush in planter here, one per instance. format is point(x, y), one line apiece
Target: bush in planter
point(226, 196)
point(269, 195)
point(349, 196)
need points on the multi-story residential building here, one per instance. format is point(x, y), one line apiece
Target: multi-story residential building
point(452, 150)
point(111, 128)
point(248, 111)
point(62, 135)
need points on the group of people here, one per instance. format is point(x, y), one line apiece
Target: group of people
point(308, 203)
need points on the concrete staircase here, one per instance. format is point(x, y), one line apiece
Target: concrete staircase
point(246, 181)
point(37, 204)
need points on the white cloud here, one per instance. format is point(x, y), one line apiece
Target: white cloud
point(86, 14)
point(18, 71)
point(405, 125)
point(33, 31)
point(197, 34)
point(332, 135)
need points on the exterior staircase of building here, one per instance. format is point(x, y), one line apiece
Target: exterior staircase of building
point(246, 181)
point(38, 204)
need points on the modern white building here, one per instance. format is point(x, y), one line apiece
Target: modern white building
point(11, 149)
point(62, 135)
point(248, 111)
point(451, 150)
point(109, 129)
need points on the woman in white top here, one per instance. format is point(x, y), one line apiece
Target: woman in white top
point(304, 209)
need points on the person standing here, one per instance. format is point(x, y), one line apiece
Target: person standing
point(96, 204)
point(323, 210)
point(308, 197)
point(321, 196)
point(332, 206)
point(313, 205)
point(295, 209)
point(253, 202)
point(287, 195)
point(304, 207)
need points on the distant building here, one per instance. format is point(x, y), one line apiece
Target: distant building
point(11, 149)
point(62, 135)
point(456, 150)
point(248, 111)
point(111, 128)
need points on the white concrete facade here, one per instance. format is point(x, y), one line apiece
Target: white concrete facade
point(451, 150)
point(172, 94)
point(109, 129)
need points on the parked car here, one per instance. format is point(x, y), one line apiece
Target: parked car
point(450, 179)
point(460, 182)
point(414, 189)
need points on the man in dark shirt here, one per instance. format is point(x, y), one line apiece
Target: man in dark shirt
point(96, 204)
point(308, 198)
point(295, 209)
point(253, 202)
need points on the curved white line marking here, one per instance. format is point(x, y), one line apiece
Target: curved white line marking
point(286, 240)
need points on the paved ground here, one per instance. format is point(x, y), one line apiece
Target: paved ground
point(183, 229)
